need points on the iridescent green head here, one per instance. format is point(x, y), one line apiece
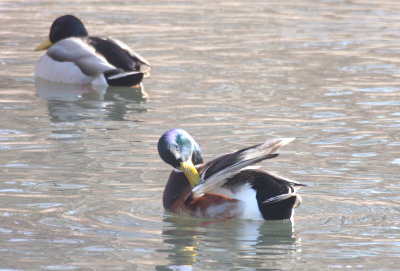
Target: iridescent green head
point(178, 149)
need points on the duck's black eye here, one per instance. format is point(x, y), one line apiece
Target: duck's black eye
point(174, 149)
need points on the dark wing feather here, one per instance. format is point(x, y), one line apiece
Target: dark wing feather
point(117, 53)
point(226, 160)
point(218, 170)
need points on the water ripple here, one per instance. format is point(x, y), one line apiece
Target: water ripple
point(81, 182)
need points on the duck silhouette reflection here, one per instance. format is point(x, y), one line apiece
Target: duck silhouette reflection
point(68, 102)
point(254, 242)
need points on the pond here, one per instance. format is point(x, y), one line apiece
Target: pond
point(81, 181)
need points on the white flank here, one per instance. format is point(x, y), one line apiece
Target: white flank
point(248, 202)
point(61, 72)
point(247, 196)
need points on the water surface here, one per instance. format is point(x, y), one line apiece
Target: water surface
point(81, 180)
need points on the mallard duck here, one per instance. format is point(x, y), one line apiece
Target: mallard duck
point(227, 186)
point(76, 58)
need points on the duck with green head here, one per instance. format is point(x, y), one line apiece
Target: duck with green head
point(225, 187)
point(74, 57)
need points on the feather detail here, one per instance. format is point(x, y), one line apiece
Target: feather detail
point(84, 56)
point(278, 198)
point(133, 54)
point(217, 171)
point(283, 197)
point(122, 74)
point(287, 181)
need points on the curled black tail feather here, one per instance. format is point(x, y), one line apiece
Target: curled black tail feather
point(118, 78)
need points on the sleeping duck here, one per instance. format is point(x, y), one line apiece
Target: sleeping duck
point(74, 57)
point(225, 187)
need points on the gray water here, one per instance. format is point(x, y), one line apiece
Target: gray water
point(80, 178)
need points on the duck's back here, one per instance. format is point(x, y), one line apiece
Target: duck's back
point(117, 53)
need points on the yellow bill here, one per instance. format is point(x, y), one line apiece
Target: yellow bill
point(190, 172)
point(44, 45)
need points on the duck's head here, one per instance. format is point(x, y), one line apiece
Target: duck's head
point(178, 149)
point(64, 27)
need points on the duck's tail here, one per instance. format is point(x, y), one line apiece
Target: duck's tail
point(118, 78)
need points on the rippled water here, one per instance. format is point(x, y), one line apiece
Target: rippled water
point(81, 180)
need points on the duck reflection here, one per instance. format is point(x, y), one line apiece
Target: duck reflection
point(247, 243)
point(68, 102)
